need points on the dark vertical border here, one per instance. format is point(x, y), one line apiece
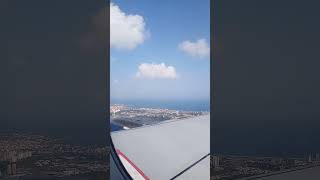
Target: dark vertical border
point(107, 108)
point(212, 71)
point(108, 73)
point(212, 85)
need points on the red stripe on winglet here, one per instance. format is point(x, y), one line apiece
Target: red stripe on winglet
point(133, 165)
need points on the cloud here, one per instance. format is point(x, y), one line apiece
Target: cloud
point(127, 31)
point(156, 71)
point(198, 49)
point(116, 81)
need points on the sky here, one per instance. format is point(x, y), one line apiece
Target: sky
point(160, 51)
point(266, 69)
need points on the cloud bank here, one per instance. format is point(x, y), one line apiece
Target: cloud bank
point(156, 71)
point(127, 31)
point(199, 49)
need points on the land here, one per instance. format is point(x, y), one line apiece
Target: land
point(131, 117)
point(227, 167)
point(26, 156)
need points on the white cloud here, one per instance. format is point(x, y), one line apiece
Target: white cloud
point(116, 81)
point(127, 31)
point(199, 48)
point(156, 71)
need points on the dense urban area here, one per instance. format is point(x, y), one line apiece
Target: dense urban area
point(35, 156)
point(131, 117)
point(225, 167)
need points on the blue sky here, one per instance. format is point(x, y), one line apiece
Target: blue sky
point(160, 49)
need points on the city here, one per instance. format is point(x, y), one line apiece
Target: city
point(130, 117)
point(35, 156)
point(241, 167)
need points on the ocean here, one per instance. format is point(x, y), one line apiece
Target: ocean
point(183, 105)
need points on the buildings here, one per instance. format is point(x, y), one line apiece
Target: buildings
point(215, 161)
point(8, 161)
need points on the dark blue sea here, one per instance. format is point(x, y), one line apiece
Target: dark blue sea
point(183, 105)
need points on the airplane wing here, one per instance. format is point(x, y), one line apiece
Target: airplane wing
point(175, 149)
